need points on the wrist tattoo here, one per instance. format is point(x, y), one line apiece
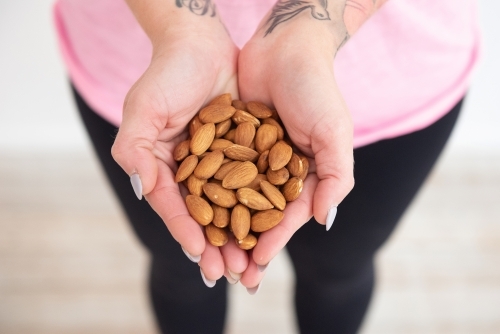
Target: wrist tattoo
point(198, 7)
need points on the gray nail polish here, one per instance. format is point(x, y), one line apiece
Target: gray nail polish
point(137, 185)
point(330, 217)
point(207, 282)
point(262, 268)
point(195, 259)
point(254, 290)
point(235, 276)
point(231, 280)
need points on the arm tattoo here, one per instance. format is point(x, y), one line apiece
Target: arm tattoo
point(198, 7)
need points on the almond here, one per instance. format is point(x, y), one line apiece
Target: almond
point(221, 216)
point(247, 242)
point(255, 184)
point(220, 144)
point(216, 113)
point(241, 116)
point(241, 153)
point(259, 109)
point(194, 125)
point(239, 105)
point(209, 165)
point(216, 236)
point(305, 168)
point(265, 220)
point(230, 135)
point(244, 134)
point(224, 99)
point(224, 169)
point(240, 221)
point(219, 195)
point(292, 188)
point(295, 166)
point(240, 176)
point(202, 139)
point(181, 151)
point(273, 195)
point(278, 177)
point(253, 199)
point(222, 128)
point(272, 121)
point(279, 155)
point(263, 162)
point(199, 209)
point(266, 137)
point(186, 168)
point(195, 185)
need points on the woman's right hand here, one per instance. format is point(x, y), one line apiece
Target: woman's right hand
point(193, 61)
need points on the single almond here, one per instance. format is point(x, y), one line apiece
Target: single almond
point(265, 220)
point(222, 128)
point(244, 134)
point(266, 137)
point(292, 188)
point(255, 184)
point(186, 168)
point(219, 195)
point(225, 168)
point(263, 162)
point(221, 216)
point(241, 116)
point(199, 209)
point(241, 153)
point(230, 135)
point(194, 125)
point(216, 236)
point(259, 109)
point(181, 151)
point(224, 99)
point(295, 166)
point(305, 167)
point(279, 155)
point(209, 165)
point(220, 144)
point(195, 185)
point(272, 121)
point(273, 194)
point(277, 177)
point(253, 199)
point(247, 242)
point(216, 113)
point(202, 139)
point(239, 105)
point(240, 176)
point(240, 221)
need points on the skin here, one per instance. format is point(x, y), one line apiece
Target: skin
point(289, 67)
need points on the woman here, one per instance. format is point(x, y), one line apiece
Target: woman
point(402, 76)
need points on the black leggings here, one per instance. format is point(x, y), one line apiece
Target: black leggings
point(334, 270)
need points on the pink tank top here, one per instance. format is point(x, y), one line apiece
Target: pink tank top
point(405, 68)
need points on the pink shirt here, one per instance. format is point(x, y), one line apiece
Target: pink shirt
point(405, 68)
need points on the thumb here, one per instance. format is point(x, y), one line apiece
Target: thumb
point(332, 144)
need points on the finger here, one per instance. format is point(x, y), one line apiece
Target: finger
point(297, 213)
point(235, 259)
point(252, 277)
point(211, 265)
point(168, 203)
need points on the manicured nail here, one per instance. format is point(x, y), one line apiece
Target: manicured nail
point(262, 268)
point(231, 280)
point(254, 290)
point(137, 185)
point(235, 276)
point(195, 259)
point(330, 217)
point(207, 282)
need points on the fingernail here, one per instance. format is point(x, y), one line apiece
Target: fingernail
point(235, 276)
point(231, 280)
point(255, 289)
point(207, 282)
point(137, 185)
point(262, 268)
point(195, 259)
point(330, 217)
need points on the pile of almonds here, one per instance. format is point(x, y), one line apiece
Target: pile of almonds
point(240, 170)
